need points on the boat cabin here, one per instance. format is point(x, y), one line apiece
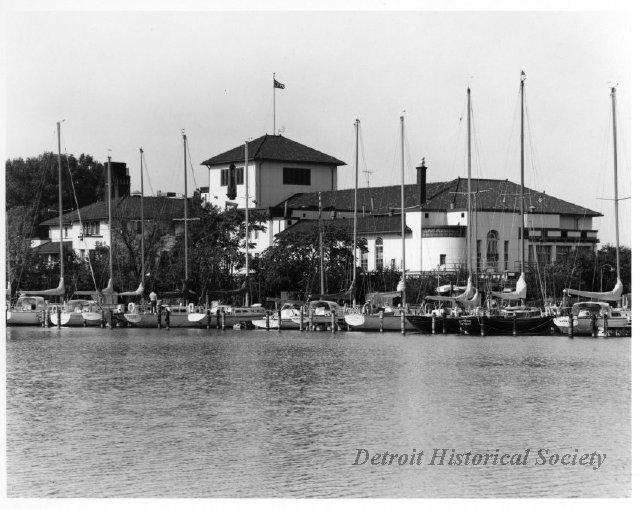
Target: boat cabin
point(30, 303)
point(584, 309)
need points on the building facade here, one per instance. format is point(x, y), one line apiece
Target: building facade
point(438, 231)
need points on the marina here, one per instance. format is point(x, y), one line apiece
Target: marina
point(318, 254)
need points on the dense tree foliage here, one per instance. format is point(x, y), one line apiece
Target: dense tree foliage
point(33, 183)
point(292, 264)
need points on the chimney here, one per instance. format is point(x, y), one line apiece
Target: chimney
point(422, 183)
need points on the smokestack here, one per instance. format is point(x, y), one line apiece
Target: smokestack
point(422, 183)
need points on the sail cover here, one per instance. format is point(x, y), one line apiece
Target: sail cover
point(468, 291)
point(138, 291)
point(471, 303)
point(520, 293)
point(54, 291)
point(467, 298)
point(613, 295)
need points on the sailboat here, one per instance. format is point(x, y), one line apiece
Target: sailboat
point(469, 298)
point(520, 320)
point(235, 316)
point(31, 305)
point(133, 313)
point(589, 315)
point(391, 319)
point(178, 315)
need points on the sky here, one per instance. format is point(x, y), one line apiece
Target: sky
point(125, 79)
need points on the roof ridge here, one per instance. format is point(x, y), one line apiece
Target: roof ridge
point(264, 139)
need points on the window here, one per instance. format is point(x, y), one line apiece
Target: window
point(92, 228)
point(379, 257)
point(539, 254)
point(296, 176)
point(364, 256)
point(66, 232)
point(562, 252)
point(393, 264)
point(478, 255)
point(224, 177)
point(492, 249)
point(443, 260)
point(462, 214)
point(506, 255)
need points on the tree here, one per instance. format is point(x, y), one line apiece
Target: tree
point(33, 183)
point(293, 262)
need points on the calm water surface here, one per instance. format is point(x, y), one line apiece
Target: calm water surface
point(196, 413)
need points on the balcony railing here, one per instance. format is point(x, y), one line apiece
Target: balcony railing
point(560, 235)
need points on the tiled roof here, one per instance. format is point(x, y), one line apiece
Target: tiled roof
point(494, 196)
point(274, 148)
point(365, 225)
point(53, 247)
point(155, 207)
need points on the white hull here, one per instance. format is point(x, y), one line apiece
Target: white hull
point(23, 318)
point(582, 326)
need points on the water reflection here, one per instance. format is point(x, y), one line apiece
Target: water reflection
point(264, 414)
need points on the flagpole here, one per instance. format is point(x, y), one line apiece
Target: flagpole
point(273, 86)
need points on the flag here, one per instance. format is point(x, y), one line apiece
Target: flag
point(277, 84)
point(523, 76)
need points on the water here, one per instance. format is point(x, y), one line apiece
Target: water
point(196, 413)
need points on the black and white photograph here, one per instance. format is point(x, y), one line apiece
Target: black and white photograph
point(317, 250)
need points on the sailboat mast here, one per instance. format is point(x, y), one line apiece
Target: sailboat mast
point(60, 206)
point(141, 219)
point(355, 213)
point(404, 292)
point(321, 243)
point(469, 238)
point(615, 178)
point(522, 78)
point(109, 286)
point(246, 219)
point(186, 261)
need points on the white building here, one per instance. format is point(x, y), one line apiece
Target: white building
point(84, 229)
point(289, 180)
point(278, 168)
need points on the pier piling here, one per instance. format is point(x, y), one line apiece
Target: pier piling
point(570, 324)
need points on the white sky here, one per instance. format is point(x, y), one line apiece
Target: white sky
point(129, 79)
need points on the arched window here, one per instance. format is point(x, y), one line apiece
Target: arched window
point(492, 249)
point(379, 254)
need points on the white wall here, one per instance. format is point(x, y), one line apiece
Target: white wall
point(269, 190)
